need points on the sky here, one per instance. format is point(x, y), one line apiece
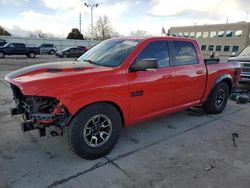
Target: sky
point(20, 17)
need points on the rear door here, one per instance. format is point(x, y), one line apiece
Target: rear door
point(190, 73)
point(20, 48)
point(152, 91)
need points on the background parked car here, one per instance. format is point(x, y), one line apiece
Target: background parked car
point(2, 42)
point(85, 49)
point(18, 49)
point(47, 48)
point(70, 52)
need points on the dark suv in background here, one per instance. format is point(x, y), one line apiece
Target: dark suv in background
point(47, 48)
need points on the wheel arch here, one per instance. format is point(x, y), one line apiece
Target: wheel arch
point(117, 107)
point(227, 78)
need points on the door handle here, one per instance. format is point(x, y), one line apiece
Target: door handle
point(200, 72)
point(167, 76)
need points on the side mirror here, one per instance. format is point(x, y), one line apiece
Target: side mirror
point(144, 64)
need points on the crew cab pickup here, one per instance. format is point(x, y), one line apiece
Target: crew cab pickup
point(118, 83)
point(18, 49)
point(244, 59)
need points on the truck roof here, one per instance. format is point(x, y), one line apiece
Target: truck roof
point(157, 38)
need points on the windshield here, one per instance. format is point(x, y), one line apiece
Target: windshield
point(245, 52)
point(6, 45)
point(110, 53)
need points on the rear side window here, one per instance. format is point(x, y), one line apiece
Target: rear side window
point(156, 50)
point(19, 45)
point(184, 53)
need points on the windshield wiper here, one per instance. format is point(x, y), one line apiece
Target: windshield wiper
point(91, 62)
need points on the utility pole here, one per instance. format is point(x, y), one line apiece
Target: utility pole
point(80, 23)
point(91, 8)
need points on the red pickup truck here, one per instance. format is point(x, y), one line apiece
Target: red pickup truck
point(117, 83)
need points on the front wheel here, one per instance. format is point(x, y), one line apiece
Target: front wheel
point(217, 99)
point(94, 131)
point(2, 55)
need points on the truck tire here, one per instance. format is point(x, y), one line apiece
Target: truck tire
point(217, 99)
point(94, 131)
point(31, 54)
point(2, 55)
point(52, 52)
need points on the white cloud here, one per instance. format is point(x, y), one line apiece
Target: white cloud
point(113, 11)
point(193, 8)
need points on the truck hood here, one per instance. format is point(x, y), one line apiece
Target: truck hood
point(36, 79)
point(240, 58)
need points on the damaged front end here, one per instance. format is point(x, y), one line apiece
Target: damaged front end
point(40, 113)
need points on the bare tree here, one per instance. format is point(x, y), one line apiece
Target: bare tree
point(103, 29)
point(138, 33)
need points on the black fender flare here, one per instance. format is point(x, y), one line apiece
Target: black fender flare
point(224, 78)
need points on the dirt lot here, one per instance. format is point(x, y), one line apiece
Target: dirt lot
point(186, 149)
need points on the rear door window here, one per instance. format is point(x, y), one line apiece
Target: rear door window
point(156, 50)
point(184, 53)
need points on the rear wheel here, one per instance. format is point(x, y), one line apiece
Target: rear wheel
point(94, 131)
point(2, 55)
point(64, 56)
point(217, 99)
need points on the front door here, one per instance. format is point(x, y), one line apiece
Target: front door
point(152, 91)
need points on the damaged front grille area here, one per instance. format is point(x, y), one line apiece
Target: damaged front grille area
point(39, 112)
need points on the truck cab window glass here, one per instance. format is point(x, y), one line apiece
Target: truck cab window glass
point(11, 46)
point(184, 53)
point(110, 53)
point(156, 50)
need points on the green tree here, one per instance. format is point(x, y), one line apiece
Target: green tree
point(4, 32)
point(75, 34)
